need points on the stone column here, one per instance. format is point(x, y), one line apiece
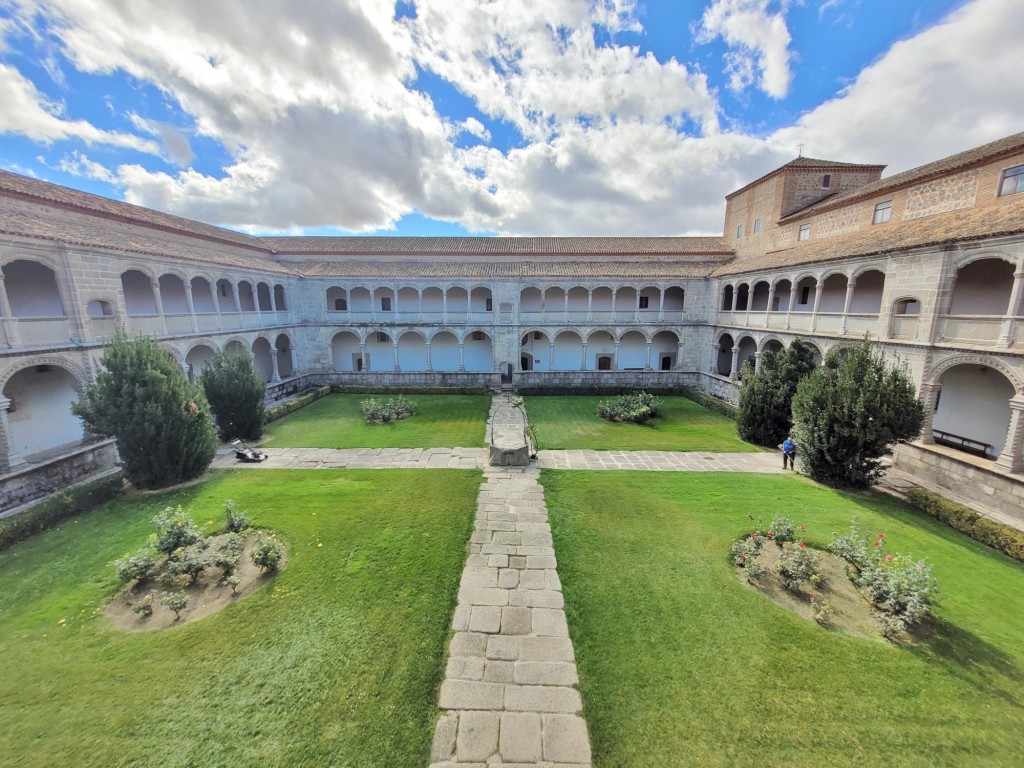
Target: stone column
point(565, 309)
point(362, 350)
point(757, 361)
point(583, 357)
point(190, 305)
point(1012, 457)
point(238, 302)
point(444, 307)
point(661, 305)
point(771, 303)
point(647, 364)
point(11, 331)
point(10, 457)
point(929, 394)
point(1014, 309)
point(394, 345)
point(159, 302)
point(850, 285)
point(713, 368)
point(615, 356)
point(734, 371)
point(462, 357)
point(679, 356)
point(551, 355)
point(792, 303)
point(817, 305)
point(590, 304)
point(429, 365)
point(294, 358)
point(215, 294)
point(275, 376)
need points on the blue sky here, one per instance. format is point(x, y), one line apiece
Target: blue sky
point(529, 117)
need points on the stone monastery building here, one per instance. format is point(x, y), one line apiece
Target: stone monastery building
point(928, 262)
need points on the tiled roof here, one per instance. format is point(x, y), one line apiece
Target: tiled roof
point(510, 269)
point(79, 229)
point(986, 152)
point(1005, 218)
point(25, 187)
point(497, 246)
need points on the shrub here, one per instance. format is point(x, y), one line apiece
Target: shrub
point(849, 411)
point(144, 607)
point(1001, 537)
point(174, 601)
point(782, 529)
point(174, 530)
point(236, 393)
point(638, 408)
point(227, 554)
point(54, 511)
point(821, 611)
point(266, 553)
point(189, 561)
point(384, 411)
point(744, 550)
point(797, 564)
point(236, 521)
point(135, 567)
point(233, 581)
point(765, 408)
point(295, 404)
point(160, 420)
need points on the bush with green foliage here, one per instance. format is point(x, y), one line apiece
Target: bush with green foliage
point(189, 561)
point(765, 407)
point(782, 529)
point(993, 534)
point(236, 393)
point(385, 411)
point(144, 607)
point(137, 566)
point(636, 407)
point(236, 521)
point(849, 411)
point(160, 420)
point(798, 563)
point(228, 553)
point(175, 601)
point(174, 529)
point(901, 589)
point(266, 552)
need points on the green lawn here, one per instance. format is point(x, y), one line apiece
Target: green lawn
point(683, 425)
point(681, 664)
point(336, 662)
point(336, 421)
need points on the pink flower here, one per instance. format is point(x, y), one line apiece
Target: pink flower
point(814, 596)
point(802, 545)
point(771, 533)
point(888, 557)
point(877, 543)
point(801, 527)
point(881, 535)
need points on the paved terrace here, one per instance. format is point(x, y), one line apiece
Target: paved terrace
point(509, 696)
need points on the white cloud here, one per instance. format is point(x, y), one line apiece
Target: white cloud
point(952, 87)
point(28, 112)
point(758, 43)
point(474, 127)
point(177, 148)
point(78, 164)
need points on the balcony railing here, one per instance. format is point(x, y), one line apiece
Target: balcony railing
point(35, 331)
point(178, 323)
point(828, 322)
point(973, 329)
point(861, 324)
point(904, 326)
point(103, 328)
point(148, 325)
point(207, 321)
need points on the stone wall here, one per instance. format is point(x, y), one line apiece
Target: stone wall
point(604, 379)
point(721, 387)
point(37, 480)
point(421, 379)
point(949, 193)
point(992, 489)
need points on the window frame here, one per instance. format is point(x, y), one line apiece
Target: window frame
point(1016, 173)
point(739, 232)
point(385, 303)
point(757, 226)
point(882, 212)
point(803, 233)
point(644, 302)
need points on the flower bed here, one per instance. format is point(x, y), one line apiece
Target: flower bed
point(637, 408)
point(384, 411)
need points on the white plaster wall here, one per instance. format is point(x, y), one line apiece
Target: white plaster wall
point(343, 347)
point(42, 417)
point(172, 294)
point(32, 290)
point(632, 351)
point(982, 288)
point(261, 358)
point(433, 300)
point(412, 352)
point(380, 355)
point(444, 352)
point(202, 297)
point(868, 292)
point(975, 404)
point(198, 358)
point(833, 294)
point(568, 351)
point(478, 354)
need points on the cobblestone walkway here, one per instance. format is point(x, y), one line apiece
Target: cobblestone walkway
point(509, 696)
point(360, 458)
point(666, 461)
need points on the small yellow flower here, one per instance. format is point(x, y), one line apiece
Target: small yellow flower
point(319, 545)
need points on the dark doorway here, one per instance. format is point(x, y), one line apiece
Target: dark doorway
point(604, 363)
point(666, 363)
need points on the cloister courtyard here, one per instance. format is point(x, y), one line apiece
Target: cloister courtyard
point(384, 641)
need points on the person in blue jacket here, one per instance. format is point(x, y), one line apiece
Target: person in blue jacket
point(788, 453)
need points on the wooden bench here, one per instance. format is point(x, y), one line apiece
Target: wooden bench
point(960, 443)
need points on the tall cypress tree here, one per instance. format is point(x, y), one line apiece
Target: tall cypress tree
point(236, 393)
point(160, 420)
point(849, 411)
point(765, 416)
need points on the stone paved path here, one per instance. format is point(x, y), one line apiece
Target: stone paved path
point(509, 695)
point(360, 458)
point(667, 461)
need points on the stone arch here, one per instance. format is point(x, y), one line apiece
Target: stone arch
point(664, 349)
point(197, 355)
point(939, 367)
point(33, 288)
point(967, 257)
point(41, 391)
point(282, 348)
point(633, 350)
point(772, 340)
point(748, 349)
point(600, 329)
point(345, 350)
point(982, 287)
point(724, 344)
point(206, 341)
point(444, 350)
point(536, 351)
point(568, 349)
point(262, 349)
point(412, 350)
point(478, 354)
point(77, 371)
point(971, 408)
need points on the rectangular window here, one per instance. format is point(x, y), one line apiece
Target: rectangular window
point(757, 226)
point(382, 338)
point(739, 231)
point(805, 294)
point(536, 335)
point(223, 290)
point(826, 180)
point(883, 212)
point(490, 304)
point(340, 305)
point(644, 302)
point(385, 303)
point(1012, 181)
point(804, 233)
point(478, 335)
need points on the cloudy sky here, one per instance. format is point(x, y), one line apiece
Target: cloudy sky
point(517, 117)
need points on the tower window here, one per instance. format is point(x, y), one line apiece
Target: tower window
point(883, 212)
point(757, 226)
point(826, 180)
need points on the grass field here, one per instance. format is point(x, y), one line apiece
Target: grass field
point(681, 664)
point(336, 421)
point(683, 425)
point(336, 662)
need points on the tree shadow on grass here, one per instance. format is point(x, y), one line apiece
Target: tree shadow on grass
point(969, 658)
